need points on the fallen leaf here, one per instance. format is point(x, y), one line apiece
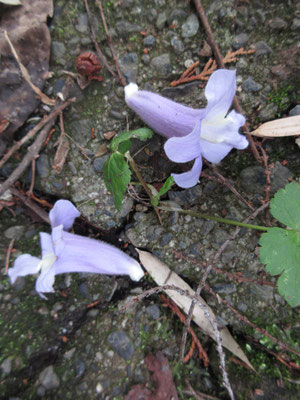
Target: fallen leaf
point(109, 135)
point(11, 2)
point(162, 275)
point(26, 26)
point(61, 155)
point(162, 376)
point(101, 150)
point(289, 126)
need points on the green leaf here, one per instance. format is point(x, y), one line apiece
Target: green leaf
point(280, 249)
point(285, 206)
point(280, 252)
point(164, 189)
point(124, 146)
point(116, 175)
point(142, 134)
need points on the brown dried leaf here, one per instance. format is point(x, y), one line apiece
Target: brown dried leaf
point(289, 126)
point(101, 151)
point(27, 29)
point(162, 275)
point(109, 135)
point(61, 155)
point(162, 377)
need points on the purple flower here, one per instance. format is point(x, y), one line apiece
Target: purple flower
point(64, 252)
point(210, 132)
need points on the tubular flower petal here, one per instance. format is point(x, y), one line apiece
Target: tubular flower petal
point(210, 132)
point(64, 252)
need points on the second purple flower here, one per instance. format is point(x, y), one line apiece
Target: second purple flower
point(64, 252)
point(210, 132)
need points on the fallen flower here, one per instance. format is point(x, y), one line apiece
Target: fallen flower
point(64, 252)
point(210, 132)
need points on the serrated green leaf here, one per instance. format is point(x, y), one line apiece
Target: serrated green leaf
point(142, 134)
point(116, 174)
point(285, 206)
point(164, 189)
point(280, 252)
point(124, 146)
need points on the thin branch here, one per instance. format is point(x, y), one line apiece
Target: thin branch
point(209, 68)
point(62, 148)
point(229, 186)
point(10, 247)
point(30, 135)
point(196, 300)
point(220, 62)
point(248, 322)
point(198, 396)
point(207, 271)
point(144, 184)
point(109, 41)
point(230, 275)
point(167, 302)
point(30, 191)
point(34, 207)
point(99, 52)
point(33, 150)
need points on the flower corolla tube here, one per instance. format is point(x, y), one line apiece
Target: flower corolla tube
point(210, 132)
point(64, 252)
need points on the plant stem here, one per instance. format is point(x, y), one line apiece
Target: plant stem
point(142, 181)
point(223, 220)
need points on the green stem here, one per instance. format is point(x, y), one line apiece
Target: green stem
point(143, 183)
point(223, 220)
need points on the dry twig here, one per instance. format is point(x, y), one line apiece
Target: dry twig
point(167, 302)
point(230, 275)
point(62, 149)
point(109, 41)
point(207, 271)
point(209, 68)
point(199, 396)
point(225, 182)
point(196, 300)
point(34, 207)
point(44, 98)
point(10, 247)
point(248, 322)
point(30, 191)
point(99, 52)
point(220, 62)
point(33, 150)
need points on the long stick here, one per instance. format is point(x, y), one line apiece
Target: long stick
point(109, 41)
point(30, 135)
point(219, 59)
point(98, 50)
point(33, 150)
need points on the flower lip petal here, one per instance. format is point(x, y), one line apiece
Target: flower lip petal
point(63, 213)
point(185, 148)
point(24, 265)
point(45, 281)
point(219, 91)
point(190, 178)
point(215, 152)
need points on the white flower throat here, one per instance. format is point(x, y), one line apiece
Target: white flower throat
point(46, 262)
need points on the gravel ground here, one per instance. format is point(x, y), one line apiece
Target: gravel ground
point(63, 349)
